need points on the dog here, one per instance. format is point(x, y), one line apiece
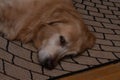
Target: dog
point(54, 27)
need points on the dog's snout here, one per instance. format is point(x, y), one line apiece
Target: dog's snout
point(48, 63)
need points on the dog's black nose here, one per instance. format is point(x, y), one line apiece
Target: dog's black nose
point(48, 63)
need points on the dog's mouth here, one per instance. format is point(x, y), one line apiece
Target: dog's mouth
point(49, 63)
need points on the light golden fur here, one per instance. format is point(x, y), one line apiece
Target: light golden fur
point(43, 22)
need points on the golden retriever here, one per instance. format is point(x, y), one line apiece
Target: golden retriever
point(54, 26)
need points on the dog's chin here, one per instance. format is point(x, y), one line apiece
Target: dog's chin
point(50, 64)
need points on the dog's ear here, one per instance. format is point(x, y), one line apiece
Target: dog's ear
point(91, 40)
point(88, 42)
point(57, 16)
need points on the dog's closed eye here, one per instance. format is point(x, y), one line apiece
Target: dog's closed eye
point(63, 42)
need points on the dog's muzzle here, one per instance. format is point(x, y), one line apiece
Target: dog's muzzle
point(48, 63)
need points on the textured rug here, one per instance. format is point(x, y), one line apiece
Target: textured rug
point(19, 61)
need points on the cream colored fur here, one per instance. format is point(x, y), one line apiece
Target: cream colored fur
point(43, 22)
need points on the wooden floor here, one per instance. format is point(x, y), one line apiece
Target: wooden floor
point(111, 72)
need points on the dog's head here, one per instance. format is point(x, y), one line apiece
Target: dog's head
point(64, 34)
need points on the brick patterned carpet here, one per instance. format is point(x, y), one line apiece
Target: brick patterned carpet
point(19, 61)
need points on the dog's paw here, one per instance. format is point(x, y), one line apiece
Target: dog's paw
point(9, 37)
